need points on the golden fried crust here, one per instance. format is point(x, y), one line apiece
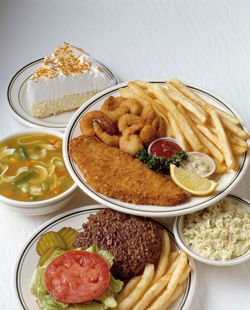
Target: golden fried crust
point(118, 175)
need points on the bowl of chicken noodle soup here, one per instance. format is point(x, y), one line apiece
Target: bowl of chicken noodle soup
point(33, 177)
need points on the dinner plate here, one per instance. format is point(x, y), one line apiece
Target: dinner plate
point(226, 182)
point(28, 259)
point(17, 98)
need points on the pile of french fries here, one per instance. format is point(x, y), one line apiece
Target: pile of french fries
point(200, 126)
point(157, 289)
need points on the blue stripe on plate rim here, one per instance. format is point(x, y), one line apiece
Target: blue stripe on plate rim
point(29, 65)
point(74, 213)
point(109, 201)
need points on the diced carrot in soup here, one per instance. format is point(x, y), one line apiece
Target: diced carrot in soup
point(8, 192)
point(11, 170)
point(58, 144)
point(57, 191)
point(27, 163)
point(61, 172)
point(53, 140)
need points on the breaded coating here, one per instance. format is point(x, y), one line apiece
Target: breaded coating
point(118, 175)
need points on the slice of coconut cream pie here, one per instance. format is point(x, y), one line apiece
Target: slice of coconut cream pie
point(64, 81)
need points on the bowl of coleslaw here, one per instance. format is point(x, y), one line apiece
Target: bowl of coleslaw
point(218, 235)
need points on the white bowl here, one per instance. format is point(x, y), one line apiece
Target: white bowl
point(167, 139)
point(177, 229)
point(43, 206)
point(210, 159)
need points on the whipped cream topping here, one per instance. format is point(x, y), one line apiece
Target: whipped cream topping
point(66, 59)
point(67, 71)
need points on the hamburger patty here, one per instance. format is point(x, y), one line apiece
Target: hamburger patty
point(133, 241)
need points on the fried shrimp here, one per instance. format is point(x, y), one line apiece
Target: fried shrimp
point(110, 104)
point(133, 129)
point(130, 144)
point(119, 99)
point(128, 120)
point(147, 134)
point(104, 136)
point(113, 108)
point(86, 123)
point(133, 105)
point(148, 113)
point(160, 126)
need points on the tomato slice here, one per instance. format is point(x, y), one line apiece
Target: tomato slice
point(77, 276)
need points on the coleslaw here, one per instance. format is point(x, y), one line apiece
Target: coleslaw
point(220, 232)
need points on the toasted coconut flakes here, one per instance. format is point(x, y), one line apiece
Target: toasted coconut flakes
point(64, 61)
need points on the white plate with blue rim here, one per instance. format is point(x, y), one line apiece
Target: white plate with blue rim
point(17, 98)
point(28, 259)
point(227, 181)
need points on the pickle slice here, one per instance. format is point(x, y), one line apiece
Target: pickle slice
point(48, 240)
point(43, 259)
point(69, 234)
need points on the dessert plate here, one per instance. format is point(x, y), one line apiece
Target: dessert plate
point(28, 259)
point(17, 98)
point(226, 181)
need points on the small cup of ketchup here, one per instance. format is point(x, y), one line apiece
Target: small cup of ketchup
point(165, 147)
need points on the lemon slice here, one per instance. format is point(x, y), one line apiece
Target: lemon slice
point(191, 182)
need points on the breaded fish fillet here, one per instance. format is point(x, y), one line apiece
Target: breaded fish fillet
point(118, 175)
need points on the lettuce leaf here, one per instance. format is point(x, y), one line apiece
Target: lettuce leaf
point(108, 297)
point(109, 258)
point(84, 306)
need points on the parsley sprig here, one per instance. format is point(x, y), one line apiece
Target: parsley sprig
point(160, 164)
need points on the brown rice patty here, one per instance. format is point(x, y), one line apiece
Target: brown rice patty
point(133, 241)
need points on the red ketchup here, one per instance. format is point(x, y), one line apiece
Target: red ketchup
point(165, 148)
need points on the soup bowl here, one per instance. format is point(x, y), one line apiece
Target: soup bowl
point(40, 207)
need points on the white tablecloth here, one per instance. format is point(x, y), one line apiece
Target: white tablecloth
point(206, 43)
